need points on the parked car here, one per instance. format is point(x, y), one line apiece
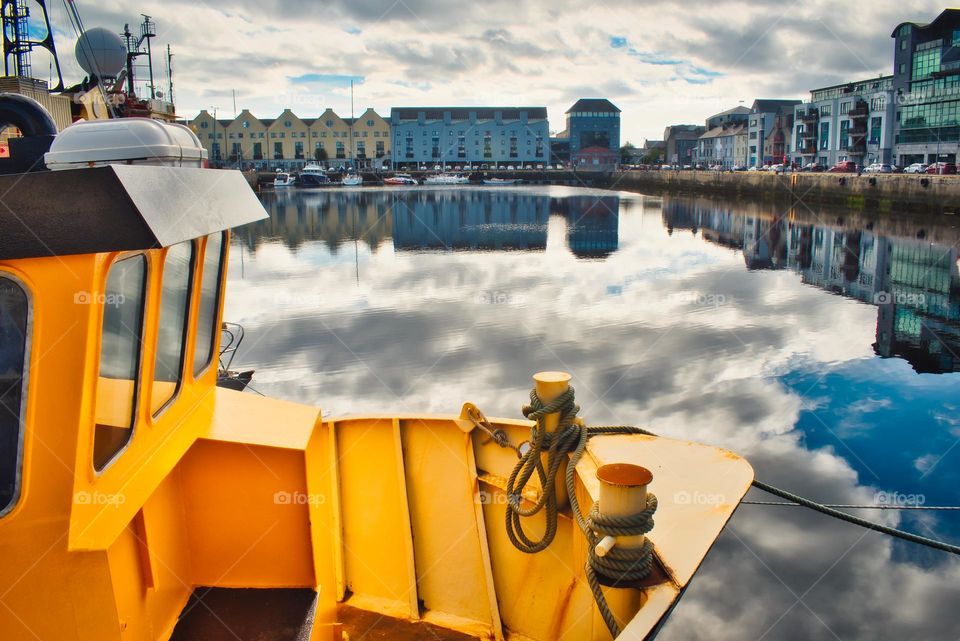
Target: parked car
point(511, 168)
point(774, 168)
point(740, 168)
point(813, 166)
point(754, 168)
point(844, 167)
point(942, 168)
point(915, 168)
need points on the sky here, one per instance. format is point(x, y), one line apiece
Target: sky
point(662, 63)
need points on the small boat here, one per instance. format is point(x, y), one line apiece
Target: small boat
point(140, 500)
point(284, 179)
point(352, 180)
point(502, 181)
point(400, 179)
point(313, 175)
point(447, 179)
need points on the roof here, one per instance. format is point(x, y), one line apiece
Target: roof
point(720, 132)
point(729, 112)
point(952, 15)
point(772, 105)
point(463, 113)
point(594, 104)
point(119, 208)
point(854, 83)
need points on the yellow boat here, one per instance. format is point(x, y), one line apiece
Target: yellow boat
point(140, 501)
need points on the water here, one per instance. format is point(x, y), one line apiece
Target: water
point(822, 346)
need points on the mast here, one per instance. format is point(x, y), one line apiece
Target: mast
point(169, 76)
point(352, 143)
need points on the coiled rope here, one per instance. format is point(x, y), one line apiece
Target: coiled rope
point(620, 565)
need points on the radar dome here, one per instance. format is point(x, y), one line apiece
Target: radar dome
point(101, 52)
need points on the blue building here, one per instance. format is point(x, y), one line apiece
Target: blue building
point(496, 136)
point(593, 122)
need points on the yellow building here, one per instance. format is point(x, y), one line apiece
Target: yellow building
point(289, 141)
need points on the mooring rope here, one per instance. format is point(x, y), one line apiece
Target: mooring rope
point(620, 566)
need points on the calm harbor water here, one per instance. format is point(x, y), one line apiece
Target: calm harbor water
point(822, 346)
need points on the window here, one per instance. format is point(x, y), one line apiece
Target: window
point(258, 151)
point(903, 45)
point(381, 152)
point(245, 124)
point(207, 326)
point(370, 123)
point(876, 127)
point(278, 151)
point(204, 125)
point(117, 388)
point(902, 68)
point(878, 103)
point(287, 123)
point(826, 110)
point(824, 135)
point(845, 107)
point(14, 345)
point(361, 149)
point(925, 63)
point(341, 152)
point(298, 150)
point(172, 332)
point(329, 123)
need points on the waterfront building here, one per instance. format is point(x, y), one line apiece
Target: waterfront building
point(593, 122)
point(852, 121)
point(508, 136)
point(289, 141)
point(741, 147)
point(681, 142)
point(737, 115)
point(717, 146)
point(926, 82)
point(769, 135)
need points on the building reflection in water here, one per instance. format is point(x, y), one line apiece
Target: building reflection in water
point(439, 219)
point(913, 282)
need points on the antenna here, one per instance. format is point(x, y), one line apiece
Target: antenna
point(234, 103)
point(17, 43)
point(134, 43)
point(169, 76)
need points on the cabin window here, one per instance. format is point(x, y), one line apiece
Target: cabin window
point(207, 328)
point(123, 307)
point(172, 332)
point(14, 328)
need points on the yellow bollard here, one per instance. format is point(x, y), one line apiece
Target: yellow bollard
point(550, 385)
point(623, 492)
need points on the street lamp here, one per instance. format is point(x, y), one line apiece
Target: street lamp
point(215, 145)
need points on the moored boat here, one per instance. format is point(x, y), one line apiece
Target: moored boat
point(446, 179)
point(313, 175)
point(139, 500)
point(284, 179)
point(501, 181)
point(352, 180)
point(400, 179)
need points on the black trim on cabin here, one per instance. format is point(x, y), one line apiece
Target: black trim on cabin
point(119, 208)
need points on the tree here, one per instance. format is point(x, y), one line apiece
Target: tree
point(319, 154)
point(627, 152)
point(653, 157)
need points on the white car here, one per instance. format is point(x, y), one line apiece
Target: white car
point(775, 168)
point(915, 168)
point(754, 168)
point(511, 168)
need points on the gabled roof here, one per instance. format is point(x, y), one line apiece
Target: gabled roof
point(728, 112)
point(947, 15)
point(594, 104)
